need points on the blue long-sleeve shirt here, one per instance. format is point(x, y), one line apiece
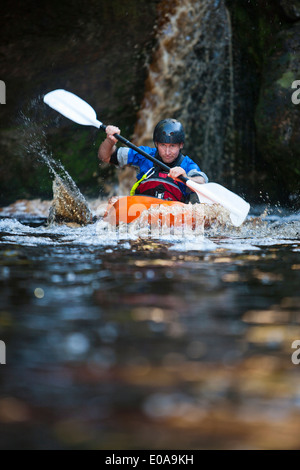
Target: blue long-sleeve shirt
point(126, 156)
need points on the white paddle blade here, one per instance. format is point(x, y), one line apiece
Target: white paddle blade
point(72, 107)
point(214, 193)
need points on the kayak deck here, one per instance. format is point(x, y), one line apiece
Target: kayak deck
point(153, 211)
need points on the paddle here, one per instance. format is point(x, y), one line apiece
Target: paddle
point(74, 108)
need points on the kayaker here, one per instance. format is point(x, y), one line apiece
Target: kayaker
point(168, 138)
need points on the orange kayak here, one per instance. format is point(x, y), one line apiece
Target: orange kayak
point(153, 211)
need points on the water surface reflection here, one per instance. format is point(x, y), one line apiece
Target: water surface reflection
point(136, 343)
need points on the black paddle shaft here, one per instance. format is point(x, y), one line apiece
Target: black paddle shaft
point(145, 154)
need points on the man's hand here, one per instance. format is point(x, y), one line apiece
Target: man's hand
point(176, 172)
point(110, 131)
point(108, 145)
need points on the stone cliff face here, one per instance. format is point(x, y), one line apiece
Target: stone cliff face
point(96, 49)
point(100, 50)
point(277, 115)
point(266, 39)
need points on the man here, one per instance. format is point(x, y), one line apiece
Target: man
point(168, 138)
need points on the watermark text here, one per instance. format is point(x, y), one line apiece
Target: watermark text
point(296, 354)
point(2, 352)
point(2, 92)
point(296, 94)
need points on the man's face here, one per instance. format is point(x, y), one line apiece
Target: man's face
point(168, 152)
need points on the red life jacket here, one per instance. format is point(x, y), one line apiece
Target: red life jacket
point(160, 185)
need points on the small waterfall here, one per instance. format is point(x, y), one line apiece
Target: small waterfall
point(191, 78)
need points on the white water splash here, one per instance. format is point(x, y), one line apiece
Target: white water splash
point(68, 202)
point(256, 233)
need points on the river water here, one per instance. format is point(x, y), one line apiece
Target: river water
point(121, 340)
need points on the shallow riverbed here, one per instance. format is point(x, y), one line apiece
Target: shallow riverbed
point(115, 340)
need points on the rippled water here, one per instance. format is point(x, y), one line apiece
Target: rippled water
point(115, 340)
